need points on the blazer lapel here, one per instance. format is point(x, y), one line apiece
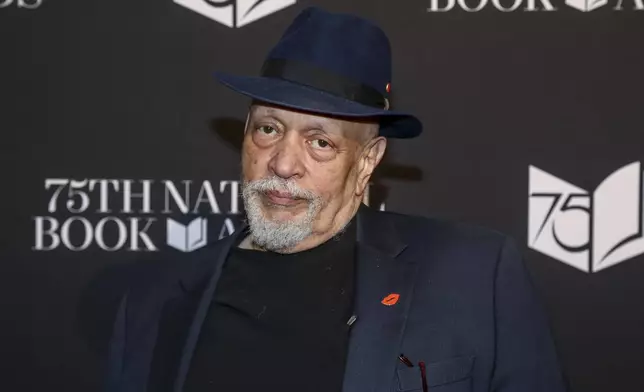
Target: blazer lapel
point(188, 282)
point(376, 335)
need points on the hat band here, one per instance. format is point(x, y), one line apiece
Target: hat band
point(324, 80)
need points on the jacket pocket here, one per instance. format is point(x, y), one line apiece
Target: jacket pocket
point(449, 371)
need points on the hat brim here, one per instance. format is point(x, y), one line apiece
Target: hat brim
point(300, 97)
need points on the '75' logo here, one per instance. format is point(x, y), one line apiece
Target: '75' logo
point(587, 231)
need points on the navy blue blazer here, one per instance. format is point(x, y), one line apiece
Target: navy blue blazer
point(466, 308)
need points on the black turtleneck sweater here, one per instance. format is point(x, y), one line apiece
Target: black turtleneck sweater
point(278, 322)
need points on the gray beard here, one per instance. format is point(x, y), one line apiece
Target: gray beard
point(278, 236)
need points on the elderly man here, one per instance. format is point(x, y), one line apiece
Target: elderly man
point(318, 292)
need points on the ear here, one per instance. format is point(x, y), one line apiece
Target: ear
point(371, 157)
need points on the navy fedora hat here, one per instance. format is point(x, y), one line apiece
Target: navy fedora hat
point(329, 63)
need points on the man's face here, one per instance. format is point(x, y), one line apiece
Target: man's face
point(304, 174)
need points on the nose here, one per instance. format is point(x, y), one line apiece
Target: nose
point(287, 160)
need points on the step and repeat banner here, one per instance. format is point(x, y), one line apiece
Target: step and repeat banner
point(118, 144)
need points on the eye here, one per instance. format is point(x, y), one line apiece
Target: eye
point(320, 144)
point(266, 129)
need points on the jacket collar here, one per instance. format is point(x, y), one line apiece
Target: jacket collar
point(375, 336)
point(379, 232)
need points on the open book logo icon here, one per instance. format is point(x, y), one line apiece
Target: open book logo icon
point(187, 238)
point(586, 5)
point(235, 13)
point(588, 231)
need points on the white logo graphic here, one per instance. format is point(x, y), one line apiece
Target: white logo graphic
point(586, 5)
point(189, 237)
point(28, 4)
point(235, 13)
point(528, 5)
point(590, 232)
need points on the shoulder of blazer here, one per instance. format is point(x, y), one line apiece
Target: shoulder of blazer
point(154, 277)
point(414, 228)
point(438, 241)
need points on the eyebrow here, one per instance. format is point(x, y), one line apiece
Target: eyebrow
point(328, 128)
point(316, 124)
point(267, 112)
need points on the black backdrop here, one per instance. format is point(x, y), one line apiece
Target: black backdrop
point(122, 90)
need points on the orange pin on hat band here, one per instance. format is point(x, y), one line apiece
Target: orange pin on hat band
point(388, 90)
point(391, 299)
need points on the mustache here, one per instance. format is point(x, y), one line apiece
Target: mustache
point(277, 184)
